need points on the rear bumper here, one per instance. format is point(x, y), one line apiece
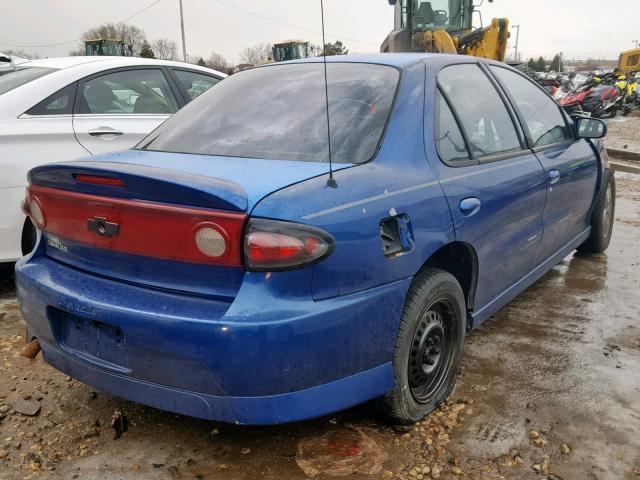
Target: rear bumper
point(256, 360)
point(265, 410)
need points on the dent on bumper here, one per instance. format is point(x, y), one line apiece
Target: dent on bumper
point(191, 355)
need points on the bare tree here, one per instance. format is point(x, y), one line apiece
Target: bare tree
point(218, 62)
point(165, 49)
point(130, 34)
point(257, 54)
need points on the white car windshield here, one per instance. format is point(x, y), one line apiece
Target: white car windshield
point(11, 77)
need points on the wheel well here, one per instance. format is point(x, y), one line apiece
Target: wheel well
point(461, 261)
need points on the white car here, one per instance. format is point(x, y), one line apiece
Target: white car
point(61, 109)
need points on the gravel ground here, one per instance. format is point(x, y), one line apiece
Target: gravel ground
point(549, 389)
point(624, 133)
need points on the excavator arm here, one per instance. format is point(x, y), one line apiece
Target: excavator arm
point(489, 42)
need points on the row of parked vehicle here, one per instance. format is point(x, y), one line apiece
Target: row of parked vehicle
point(600, 95)
point(298, 239)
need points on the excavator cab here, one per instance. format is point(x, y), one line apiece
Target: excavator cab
point(629, 61)
point(107, 47)
point(415, 17)
point(420, 16)
point(290, 50)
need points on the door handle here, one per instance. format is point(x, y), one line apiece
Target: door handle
point(554, 176)
point(104, 131)
point(470, 206)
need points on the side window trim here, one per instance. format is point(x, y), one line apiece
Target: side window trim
point(456, 117)
point(181, 98)
point(508, 104)
point(521, 120)
point(513, 114)
point(509, 154)
point(81, 83)
point(542, 148)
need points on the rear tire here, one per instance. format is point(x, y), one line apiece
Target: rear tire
point(529, 72)
point(29, 237)
point(428, 347)
point(602, 218)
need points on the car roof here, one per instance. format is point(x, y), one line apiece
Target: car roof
point(398, 60)
point(110, 62)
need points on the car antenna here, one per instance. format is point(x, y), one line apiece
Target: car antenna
point(332, 181)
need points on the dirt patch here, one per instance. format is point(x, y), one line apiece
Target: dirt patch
point(624, 133)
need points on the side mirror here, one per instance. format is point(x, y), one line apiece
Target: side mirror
point(591, 128)
point(393, 2)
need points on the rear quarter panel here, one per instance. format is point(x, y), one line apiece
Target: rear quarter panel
point(397, 181)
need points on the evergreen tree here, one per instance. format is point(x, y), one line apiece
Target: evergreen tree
point(555, 64)
point(541, 65)
point(146, 51)
point(532, 64)
point(202, 63)
point(336, 48)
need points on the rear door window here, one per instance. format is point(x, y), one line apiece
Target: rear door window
point(194, 84)
point(544, 121)
point(279, 112)
point(485, 119)
point(138, 91)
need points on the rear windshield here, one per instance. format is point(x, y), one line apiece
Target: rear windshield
point(279, 113)
point(10, 78)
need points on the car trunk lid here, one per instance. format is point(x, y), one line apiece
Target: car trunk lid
point(136, 216)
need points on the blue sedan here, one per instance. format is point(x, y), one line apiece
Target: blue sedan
point(270, 254)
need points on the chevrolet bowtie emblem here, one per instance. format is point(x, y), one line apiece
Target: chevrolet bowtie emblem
point(102, 227)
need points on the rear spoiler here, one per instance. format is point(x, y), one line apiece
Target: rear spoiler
point(141, 182)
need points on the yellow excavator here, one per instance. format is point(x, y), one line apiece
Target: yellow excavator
point(445, 26)
point(629, 61)
point(291, 50)
point(110, 47)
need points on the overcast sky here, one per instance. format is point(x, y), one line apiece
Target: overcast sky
point(579, 28)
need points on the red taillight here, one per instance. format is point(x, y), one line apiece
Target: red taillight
point(99, 180)
point(273, 245)
point(265, 247)
point(141, 228)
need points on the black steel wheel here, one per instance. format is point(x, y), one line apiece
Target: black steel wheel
point(428, 348)
point(602, 218)
point(431, 351)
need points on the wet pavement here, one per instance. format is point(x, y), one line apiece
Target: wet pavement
point(549, 388)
